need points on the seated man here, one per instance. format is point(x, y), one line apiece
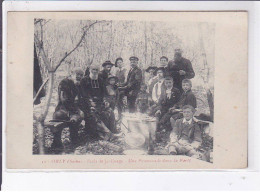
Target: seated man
point(67, 108)
point(168, 100)
point(185, 137)
point(99, 118)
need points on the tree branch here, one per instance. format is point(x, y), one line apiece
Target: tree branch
point(42, 52)
point(77, 45)
point(40, 89)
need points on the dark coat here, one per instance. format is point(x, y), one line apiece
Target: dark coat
point(134, 80)
point(68, 91)
point(187, 98)
point(103, 75)
point(190, 132)
point(174, 67)
point(167, 103)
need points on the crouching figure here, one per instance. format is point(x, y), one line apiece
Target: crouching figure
point(67, 110)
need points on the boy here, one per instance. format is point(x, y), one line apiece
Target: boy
point(187, 98)
point(142, 101)
point(185, 137)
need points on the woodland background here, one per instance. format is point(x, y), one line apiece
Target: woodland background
point(62, 45)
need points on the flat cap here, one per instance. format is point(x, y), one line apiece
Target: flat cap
point(134, 58)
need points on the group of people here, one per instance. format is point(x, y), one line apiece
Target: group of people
point(166, 94)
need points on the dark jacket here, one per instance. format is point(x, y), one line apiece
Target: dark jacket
point(104, 75)
point(175, 66)
point(67, 91)
point(190, 132)
point(92, 90)
point(167, 103)
point(187, 98)
point(134, 80)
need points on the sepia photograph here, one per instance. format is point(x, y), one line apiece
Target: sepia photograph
point(127, 90)
point(113, 87)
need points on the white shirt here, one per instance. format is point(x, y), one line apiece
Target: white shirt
point(157, 91)
point(184, 121)
point(169, 93)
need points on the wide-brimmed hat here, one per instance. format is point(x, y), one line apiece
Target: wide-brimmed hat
point(134, 58)
point(150, 67)
point(160, 68)
point(107, 63)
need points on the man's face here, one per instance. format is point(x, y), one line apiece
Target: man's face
point(151, 72)
point(108, 68)
point(94, 71)
point(168, 84)
point(120, 63)
point(133, 63)
point(187, 114)
point(163, 62)
point(177, 56)
point(186, 86)
point(160, 74)
point(79, 76)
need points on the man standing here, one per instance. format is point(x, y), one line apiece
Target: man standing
point(133, 83)
point(180, 69)
point(164, 62)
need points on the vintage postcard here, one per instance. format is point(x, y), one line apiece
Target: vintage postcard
point(126, 90)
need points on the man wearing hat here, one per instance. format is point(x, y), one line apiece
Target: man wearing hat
point(133, 83)
point(107, 65)
point(180, 69)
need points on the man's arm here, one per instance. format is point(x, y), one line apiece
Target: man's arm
point(190, 72)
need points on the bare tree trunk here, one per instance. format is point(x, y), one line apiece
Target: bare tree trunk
point(145, 44)
point(205, 76)
point(40, 123)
